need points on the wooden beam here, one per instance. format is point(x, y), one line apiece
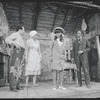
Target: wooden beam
point(98, 50)
point(36, 12)
point(55, 19)
point(20, 12)
point(70, 5)
point(88, 4)
point(65, 19)
point(76, 21)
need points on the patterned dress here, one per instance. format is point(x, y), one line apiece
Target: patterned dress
point(33, 66)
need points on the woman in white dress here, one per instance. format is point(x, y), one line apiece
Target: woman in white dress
point(33, 58)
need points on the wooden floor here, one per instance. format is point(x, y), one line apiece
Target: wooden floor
point(44, 90)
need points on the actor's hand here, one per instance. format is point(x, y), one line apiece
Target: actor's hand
point(16, 45)
point(80, 52)
point(72, 60)
point(63, 57)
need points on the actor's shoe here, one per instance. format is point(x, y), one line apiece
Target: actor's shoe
point(96, 80)
point(14, 90)
point(36, 85)
point(79, 86)
point(62, 87)
point(26, 87)
point(54, 88)
point(18, 88)
point(88, 86)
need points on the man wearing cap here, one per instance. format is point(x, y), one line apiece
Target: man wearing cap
point(16, 42)
point(80, 55)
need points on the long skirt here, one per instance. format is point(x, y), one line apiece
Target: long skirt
point(17, 57)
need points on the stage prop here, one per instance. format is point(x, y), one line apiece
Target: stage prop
point(94, 28)
point(4, 31)
point(98, 49)
point(4, 63)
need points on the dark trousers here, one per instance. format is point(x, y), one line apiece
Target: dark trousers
point(13, 82)
point(82, 62)
point(93, 72)
point(16, 59)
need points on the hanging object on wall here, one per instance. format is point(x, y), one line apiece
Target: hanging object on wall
point(83, 25)
point(4, 27)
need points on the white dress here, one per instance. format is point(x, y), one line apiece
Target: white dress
point(33, 66)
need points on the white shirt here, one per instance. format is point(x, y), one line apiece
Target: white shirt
point(59, 42)
point(17, 38)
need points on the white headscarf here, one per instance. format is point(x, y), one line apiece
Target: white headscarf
point(32, 33)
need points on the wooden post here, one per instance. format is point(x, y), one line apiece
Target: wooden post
point(65, 19)
point(20, 12)
point(36, 12)
point(55, 18)
point(98, 49)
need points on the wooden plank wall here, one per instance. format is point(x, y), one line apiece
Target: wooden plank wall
point(45, 20)
point(4, 28)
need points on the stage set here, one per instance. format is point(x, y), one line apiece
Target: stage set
point(72, 16)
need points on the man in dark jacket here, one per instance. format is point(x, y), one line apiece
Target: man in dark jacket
point(93, 60)
point(80, 55)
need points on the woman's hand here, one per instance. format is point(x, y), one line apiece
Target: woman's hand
point(63, 57)
point(72, 60)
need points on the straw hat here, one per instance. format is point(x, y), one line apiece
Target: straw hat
point(32, 33)
point(59, 28)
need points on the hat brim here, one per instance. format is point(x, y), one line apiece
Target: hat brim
point(59, 28)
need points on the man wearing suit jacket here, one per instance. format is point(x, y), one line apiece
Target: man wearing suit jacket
point(80, 55)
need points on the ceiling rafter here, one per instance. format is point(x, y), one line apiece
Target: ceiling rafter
point(88, 4)
point(65, 19)
point(36, 14)
point(76, 21)
point(55, 18)
point(33, 16)
point(69, 4)
point(20, 12)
